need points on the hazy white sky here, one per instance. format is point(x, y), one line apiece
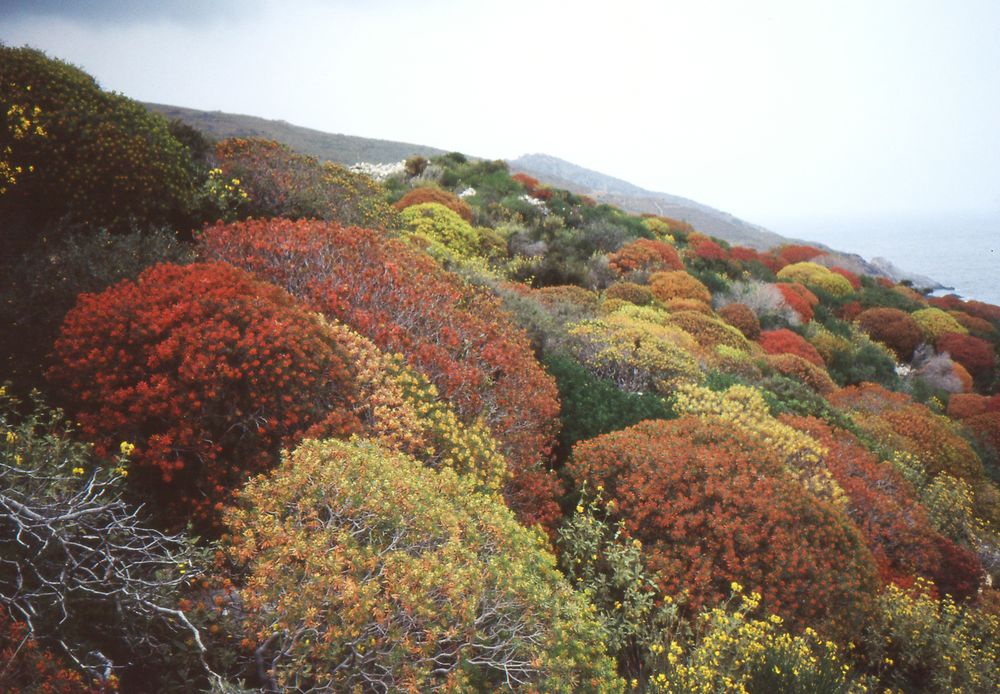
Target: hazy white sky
point(769, 109)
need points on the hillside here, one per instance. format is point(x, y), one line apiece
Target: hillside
point(342, 149)
point(272, 424)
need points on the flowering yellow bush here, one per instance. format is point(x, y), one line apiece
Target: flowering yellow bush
point(735, 652)
point(743, 408)
point(401, 409)
point(639, 355)
point(934, 323)
point(817, 276)
point(441, 229)
point(921, 643)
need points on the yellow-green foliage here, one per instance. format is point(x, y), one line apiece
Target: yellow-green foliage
point(928, 645)
point(442, 229)
point(934, 323)
point(735, 652)
point(402, 410)
point(949, 502)
point(826, 343)
point(659, 228)
point(709, 331)
point(355, 555)
point(743, 408)
point(638, 354)
point(362, 200)
point(815, 275)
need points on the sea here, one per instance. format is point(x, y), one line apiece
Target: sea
point(959, 251)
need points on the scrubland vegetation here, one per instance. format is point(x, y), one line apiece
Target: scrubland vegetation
point(272, 424)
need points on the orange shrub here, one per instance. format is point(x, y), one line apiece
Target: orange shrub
point(794, 253)
point(741, 317)
point(894, 328)
point(400, 298)
point(418, 196)
point(712, 506)
point(895, 526)
point(645, 255)
point(799, 299)
point(678, 285)
point(706, 248)
point(208, 371)
point(974, 353)
point(975, 325)
point(784, 341)
point(802, 370)
point(630, 292)
point(962, 405)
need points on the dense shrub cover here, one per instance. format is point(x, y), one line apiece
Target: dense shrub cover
point(895, 526)
point(712, 506)
point(637, 294)
point(419, 196)
point(803, 370)
point(799, 299)
point(974, 353)
point(741, 317)
point(354, 555)
point(456, 335)
point(784, 341)
point(645, 255)
point(896, 329)
point(798, 253)
point(97, 157)
point(935, 323)
point(709, 331)
point(282, 183)
point(207, 371)
point(814, 275)
point(677, 284)
point(443, 230)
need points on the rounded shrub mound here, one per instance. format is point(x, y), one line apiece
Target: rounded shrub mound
point(401, 299)
point(741, 317)
point(419, 196)
point(712, 506)
point(816, 275)
point(934, 323)
point(677, 284)
point(77, 151)
point(784, 341)
point(440, 228)
point(894, 328)
point(207, 371)
point(645, 254)
point(365, 571)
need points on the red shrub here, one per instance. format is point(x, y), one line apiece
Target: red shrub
point(529, 182)
point(894, 525)
point(981, 309)
point(418, 196)
point(985, 426)
point(975, 325)
point(741, 317)
point(850, 311)
point(706, 249)
point(962, 405)
point(894, 328)
point(800, 299)
point(950, 302)
point(645, 255)
point(28, 667)
point(784, 341)
point(851, 277)
point(802, 370)
point(744, 254)
point(208, 371)
point(712, 506)
point(792, 253)
point(974, 353)
point(400, 298)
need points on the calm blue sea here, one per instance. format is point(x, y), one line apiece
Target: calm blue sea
point(960, 251)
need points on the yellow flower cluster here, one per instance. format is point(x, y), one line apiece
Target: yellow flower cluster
point(402, 410)
point(734, 648)
point(744, 409)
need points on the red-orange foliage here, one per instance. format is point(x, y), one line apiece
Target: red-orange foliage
point(678, 284)
point(964, 377)
point(712, 506)
point(706, 249)
point(799, 299)
point(979, 309)
point(850, 311)
point(741, 317)
point(784, 341)
point(744, 254)
point(534, 187)
point(802, 370)
point(894, 328)
point(647, 255)
point(962, 405)
point(418, 196)
point(28, 667)
point(974, 353)
point(637, 294)
point(894, 525)
point(795, 253)
point(400, 298)
point(975, 325)
point(851, 277)
point(985, 426)
point(208, 371)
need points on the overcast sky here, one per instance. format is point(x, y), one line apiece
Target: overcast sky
point(769, 109)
